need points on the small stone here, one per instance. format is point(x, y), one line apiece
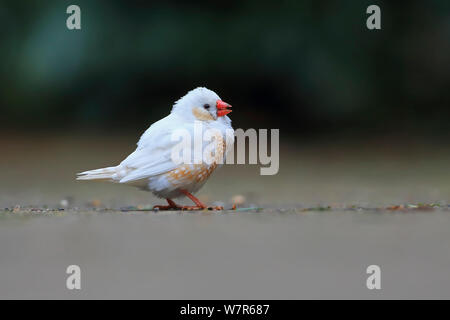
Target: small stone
point(64, 203)
point(238, 199)
point(95, 203)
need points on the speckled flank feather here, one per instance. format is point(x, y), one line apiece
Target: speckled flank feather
point(190, 173)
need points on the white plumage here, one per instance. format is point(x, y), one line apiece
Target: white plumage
point(151, 167)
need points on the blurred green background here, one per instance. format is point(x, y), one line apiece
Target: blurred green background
point(307, 67)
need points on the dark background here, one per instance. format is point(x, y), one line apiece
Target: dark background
point(311, 68)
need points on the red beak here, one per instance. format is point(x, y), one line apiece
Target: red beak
point(222, 108)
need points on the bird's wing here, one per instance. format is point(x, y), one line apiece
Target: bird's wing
point(153, 154)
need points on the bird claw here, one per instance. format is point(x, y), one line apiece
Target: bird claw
point(192, 208)
point(159, 207)
point(217, 208)
point(186, 208)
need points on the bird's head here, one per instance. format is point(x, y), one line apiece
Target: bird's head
point(202, 104)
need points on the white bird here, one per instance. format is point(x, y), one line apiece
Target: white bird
point(151, 166)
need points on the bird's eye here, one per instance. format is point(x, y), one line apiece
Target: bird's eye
point(206, 106)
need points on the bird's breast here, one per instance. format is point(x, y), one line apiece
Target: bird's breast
point(197, 172)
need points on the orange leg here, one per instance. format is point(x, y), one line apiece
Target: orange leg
point(198, 204)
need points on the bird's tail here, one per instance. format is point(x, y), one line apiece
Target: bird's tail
point(98, 174)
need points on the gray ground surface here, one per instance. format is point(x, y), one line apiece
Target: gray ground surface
point(295, 247)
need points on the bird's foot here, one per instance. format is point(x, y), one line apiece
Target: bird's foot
point(199, 206)
point(172, 206)
point(192, 208)
point(159, 207)
point(218, 208)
